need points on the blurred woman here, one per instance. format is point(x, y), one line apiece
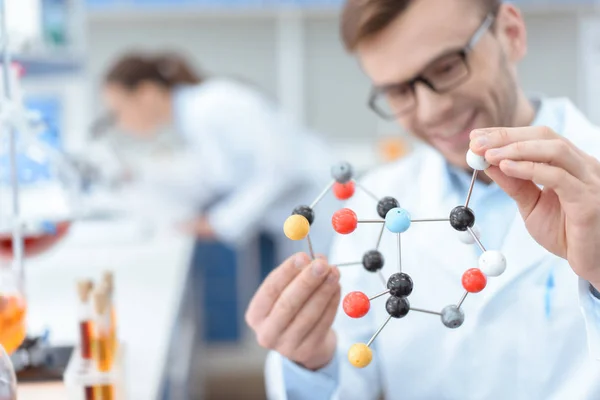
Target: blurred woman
point(245, 167)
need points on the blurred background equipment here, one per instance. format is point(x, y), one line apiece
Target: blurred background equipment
point(180, 301)
point(37, 210)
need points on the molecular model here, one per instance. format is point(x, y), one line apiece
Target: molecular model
point(397, 220)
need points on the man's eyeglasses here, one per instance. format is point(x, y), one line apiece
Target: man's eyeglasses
point(442, 75)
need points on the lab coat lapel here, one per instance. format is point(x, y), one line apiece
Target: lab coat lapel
point(522, 254)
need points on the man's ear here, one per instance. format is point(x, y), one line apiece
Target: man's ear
point(511, 32)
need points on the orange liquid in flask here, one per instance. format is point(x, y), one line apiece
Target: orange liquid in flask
point(12, 322)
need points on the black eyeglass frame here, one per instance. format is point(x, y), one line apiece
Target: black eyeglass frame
point(462, 53)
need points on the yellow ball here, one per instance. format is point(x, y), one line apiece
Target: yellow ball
point(296, 227)
point(360, 355)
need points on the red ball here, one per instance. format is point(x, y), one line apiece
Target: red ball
point(356, 304)
point(344, 221)
point(474, 280)
point(343, 191)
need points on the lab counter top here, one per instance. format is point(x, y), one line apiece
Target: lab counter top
point(150, 271)
point(46, 391)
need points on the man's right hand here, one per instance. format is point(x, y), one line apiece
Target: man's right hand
point(293, 311)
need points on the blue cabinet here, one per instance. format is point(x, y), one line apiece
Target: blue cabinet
point(214, 268)
point(216, 284)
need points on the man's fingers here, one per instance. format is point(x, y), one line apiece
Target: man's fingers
point(554, 152)
point(316, 335)
point(566, 186)
point(489, 138)
point(309, 315)
point(525, 193)
point(291, 300)
point(272, 287)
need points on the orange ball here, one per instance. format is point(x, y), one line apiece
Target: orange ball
point(296, 227)
point(360, 355)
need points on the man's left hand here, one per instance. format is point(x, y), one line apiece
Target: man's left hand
point(564, 216)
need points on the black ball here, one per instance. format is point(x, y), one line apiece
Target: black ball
point(373, 261)
point(400, 284)
point(397, 307)
point(306, 212)
point(386, 204)
point(461, 218)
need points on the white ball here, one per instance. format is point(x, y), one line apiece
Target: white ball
point(476, 162)
point(492, 263)
point(467, 238)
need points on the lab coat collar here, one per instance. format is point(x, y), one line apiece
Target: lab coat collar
point(522, 252)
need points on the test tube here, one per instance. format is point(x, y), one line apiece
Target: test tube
point(101, 349)
point(84, 289)
point(109, 284)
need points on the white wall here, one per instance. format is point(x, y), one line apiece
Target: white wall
point(237, 47)
point(335, 90)
point(551, 65)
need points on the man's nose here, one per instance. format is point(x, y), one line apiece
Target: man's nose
point(432, 107)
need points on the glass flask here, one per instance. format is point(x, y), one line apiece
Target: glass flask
point(31, 158)
point(38, 203)
point(47, 200)
point(12, 326)
point(13, 308)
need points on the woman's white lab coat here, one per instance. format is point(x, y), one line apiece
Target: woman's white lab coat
point(506, 349)
point(244, 164)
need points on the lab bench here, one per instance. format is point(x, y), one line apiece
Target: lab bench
point(151, 271)
point(179, 302)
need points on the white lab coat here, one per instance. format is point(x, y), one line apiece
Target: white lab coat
point(247, 161)
point(506, 348)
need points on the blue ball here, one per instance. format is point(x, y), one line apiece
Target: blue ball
point(397, 220)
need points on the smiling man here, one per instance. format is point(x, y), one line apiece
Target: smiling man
point(441, 69)
point(446, 70)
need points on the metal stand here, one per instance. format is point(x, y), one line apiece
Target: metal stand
point(17, 233)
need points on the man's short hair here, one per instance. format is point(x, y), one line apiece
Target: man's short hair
point(362, 19)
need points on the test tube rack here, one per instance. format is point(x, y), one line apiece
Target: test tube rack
point(81, 378)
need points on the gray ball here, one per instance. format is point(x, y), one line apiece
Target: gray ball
point(452, 317)
point(342, 172)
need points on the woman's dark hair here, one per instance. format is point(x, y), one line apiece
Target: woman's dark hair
point(168, 70)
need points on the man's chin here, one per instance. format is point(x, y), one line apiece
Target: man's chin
point(455, 155)
point(451, 149)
